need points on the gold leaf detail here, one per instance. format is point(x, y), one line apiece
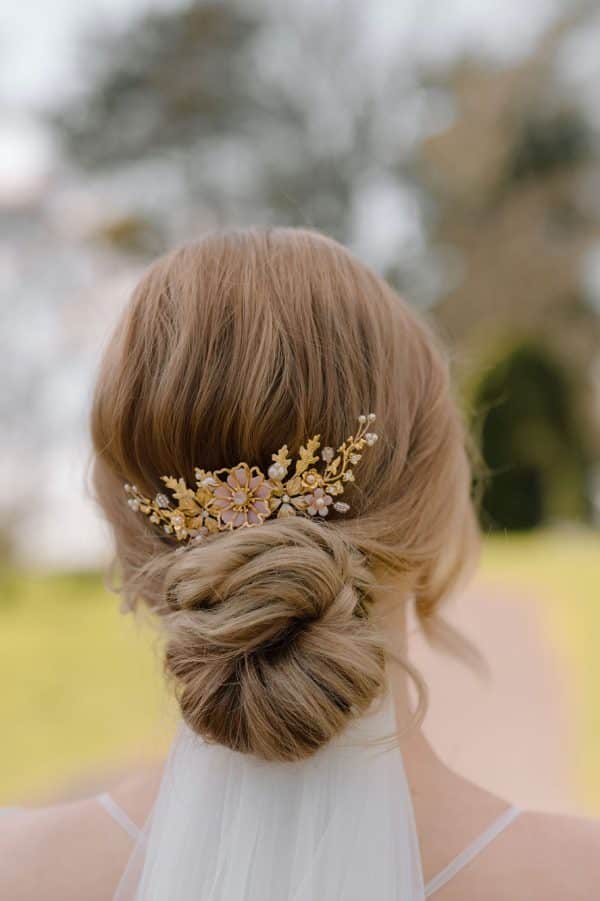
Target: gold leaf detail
point(179, 488)
point(282, 457)
point(189, 506)
point(333, 467)
point(294, 486)
point(307, 455)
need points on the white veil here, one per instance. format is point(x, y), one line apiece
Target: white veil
point(229, 827)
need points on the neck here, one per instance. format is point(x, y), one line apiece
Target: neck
point(428, 777)
point(421, 762)
point(448, 810)
point(424, 769)
point(391, 613)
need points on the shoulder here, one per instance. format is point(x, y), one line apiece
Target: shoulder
point(540, 857)
point(69, 851)
point(562, 850)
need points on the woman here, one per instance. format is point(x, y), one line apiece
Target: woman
point(280, 579)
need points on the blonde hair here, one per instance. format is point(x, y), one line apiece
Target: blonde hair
point(230, 348)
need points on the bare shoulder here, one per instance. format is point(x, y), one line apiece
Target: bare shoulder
point(66, 851)
point(540, 857)
point(566, 849)
point(70, 851)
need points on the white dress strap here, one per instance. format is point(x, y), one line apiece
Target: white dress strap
point(119, 815)
point(472, 851)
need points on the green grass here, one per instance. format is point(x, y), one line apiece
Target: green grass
point(81, 685)
point(82, 688)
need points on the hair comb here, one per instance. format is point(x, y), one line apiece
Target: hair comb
point(243, 496)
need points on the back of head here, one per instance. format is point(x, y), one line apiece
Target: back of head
point(229, 349)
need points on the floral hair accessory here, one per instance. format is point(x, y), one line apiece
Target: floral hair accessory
point(243, 496)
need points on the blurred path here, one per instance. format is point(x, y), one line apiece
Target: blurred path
point(514, 733)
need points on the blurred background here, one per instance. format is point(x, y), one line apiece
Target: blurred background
point(454, 146)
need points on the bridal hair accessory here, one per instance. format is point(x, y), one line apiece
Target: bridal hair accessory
point(244, 496)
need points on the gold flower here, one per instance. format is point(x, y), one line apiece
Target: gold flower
point(243, 499)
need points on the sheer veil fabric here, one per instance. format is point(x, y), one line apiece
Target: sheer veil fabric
point(230, 827)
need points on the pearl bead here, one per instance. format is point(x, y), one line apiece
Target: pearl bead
point(240, 497)
point(276, 471)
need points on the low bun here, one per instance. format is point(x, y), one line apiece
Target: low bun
point(268, 637)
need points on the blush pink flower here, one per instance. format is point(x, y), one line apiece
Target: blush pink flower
point(318, 502)
point(243, 500)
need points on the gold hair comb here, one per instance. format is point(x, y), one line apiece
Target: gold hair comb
point(244, 496)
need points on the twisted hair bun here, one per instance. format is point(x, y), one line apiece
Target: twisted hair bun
point(268, 638)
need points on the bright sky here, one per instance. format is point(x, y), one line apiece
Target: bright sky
point(39, 41)
point(40, 47)
point(40, 61)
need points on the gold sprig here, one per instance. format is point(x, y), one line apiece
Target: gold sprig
point(244, 496)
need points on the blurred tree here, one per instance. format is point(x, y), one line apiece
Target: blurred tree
point(509, 179)
point(271, 114)
point(131, 234)
point(549, 144)
point(531, 442)
point(169, 79)
point(266, 113)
